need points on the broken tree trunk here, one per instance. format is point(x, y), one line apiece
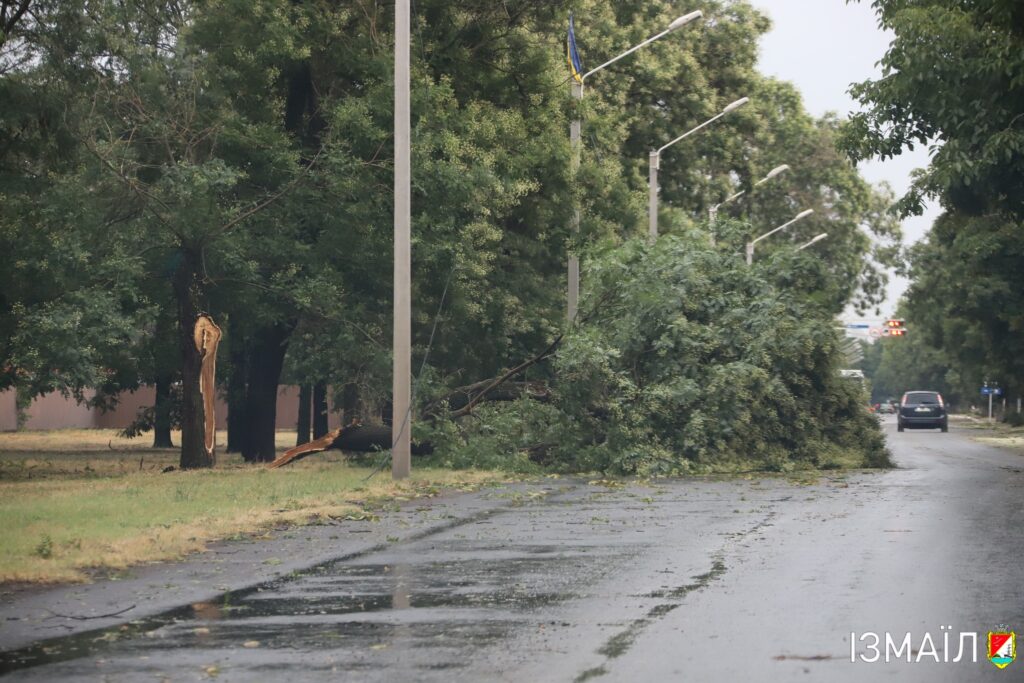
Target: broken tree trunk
point(207, 336)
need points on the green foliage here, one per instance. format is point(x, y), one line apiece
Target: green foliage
point(687, 360)
point(250, 144)
point(952, 78)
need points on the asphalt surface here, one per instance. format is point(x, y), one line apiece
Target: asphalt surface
point(760, 579)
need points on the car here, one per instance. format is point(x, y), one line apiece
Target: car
point(922, 410)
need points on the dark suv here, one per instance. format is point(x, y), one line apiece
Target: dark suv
point(922, 410)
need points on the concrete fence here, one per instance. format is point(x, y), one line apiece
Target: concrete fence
point(53, 411)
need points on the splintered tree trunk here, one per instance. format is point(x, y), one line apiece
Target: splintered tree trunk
point(162, 412)
point(319, 410)
point(236, 391)
point(302, 428)
point(188, 295)
point(268, 350)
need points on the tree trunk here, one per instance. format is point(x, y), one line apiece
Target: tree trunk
point(302, 428)
point(236, 391)
point(265, 363)
point(350, 408)
point(162, 412)
point(188, 295)
point(319, 410)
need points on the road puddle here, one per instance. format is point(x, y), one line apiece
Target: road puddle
point(428, 613)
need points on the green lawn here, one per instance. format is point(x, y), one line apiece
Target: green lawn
point(67, 505)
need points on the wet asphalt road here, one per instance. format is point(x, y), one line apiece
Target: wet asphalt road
point(758, 579)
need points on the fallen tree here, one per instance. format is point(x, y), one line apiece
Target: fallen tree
point(363, 438)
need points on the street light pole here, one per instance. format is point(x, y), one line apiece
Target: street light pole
point(750, 245)
point(816, 239)
point(655, 163)
point(401, 408)
point(575, 134)
point(713, 210)
point(575, 128)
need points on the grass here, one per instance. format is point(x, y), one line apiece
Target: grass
point(994, 433)
point(72, 501)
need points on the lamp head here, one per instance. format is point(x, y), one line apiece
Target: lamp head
point(736, 105)
point(684, 20)
point(805, 214)
point(776, 171)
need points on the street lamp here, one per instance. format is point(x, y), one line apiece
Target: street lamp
point(750, 245)
point(817, 239)
point(575, 136)
point(655, 163)
point(713, 211)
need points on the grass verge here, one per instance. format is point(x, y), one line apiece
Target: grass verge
point(75, 500)
point(994, 433)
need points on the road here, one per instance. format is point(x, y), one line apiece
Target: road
point(759, 579)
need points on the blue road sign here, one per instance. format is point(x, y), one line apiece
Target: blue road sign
point(858, 327)
point(991, 391)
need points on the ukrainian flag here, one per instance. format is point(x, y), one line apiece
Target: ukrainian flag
point(575, 66)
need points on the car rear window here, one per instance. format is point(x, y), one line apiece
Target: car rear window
point(916, 398)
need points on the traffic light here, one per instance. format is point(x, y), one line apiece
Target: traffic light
point(895, 328)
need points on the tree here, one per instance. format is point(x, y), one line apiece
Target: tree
point(240, 151)
point(686, 360)
point(953, 78)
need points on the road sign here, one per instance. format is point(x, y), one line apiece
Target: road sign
point(858, 326)
point(991, 391)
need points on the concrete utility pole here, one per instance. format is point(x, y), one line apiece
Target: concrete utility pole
point(401, 409)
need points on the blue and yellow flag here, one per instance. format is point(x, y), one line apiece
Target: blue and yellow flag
point(575, 66)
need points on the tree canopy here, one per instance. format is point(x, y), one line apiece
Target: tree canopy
point(953, 79)
point(165, 158)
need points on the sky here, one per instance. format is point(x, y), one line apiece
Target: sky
point(822, 46)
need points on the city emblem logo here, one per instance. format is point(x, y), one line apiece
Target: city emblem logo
point(1002, 647)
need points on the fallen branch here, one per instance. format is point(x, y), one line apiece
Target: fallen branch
point(507, 376)
point(301, 451)
point(86, 618)
point(369, 438)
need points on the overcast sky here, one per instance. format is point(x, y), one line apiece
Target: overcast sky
point(823, 46)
